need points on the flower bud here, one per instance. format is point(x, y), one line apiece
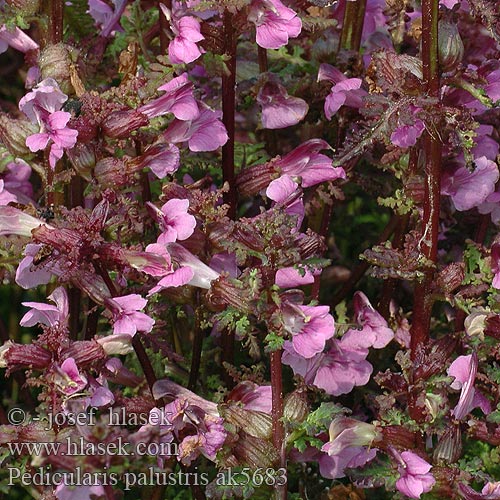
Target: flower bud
point(112, 172)
point(254, 179)
point(449, 447)
point(255, 423)
point(346, 432)
point(86, 126)
point(31, 356)
point(120, 124)
point(116, 344)
point(475, 322)
point(255, 452)
point(82, 157)
point(450, 46)
point(398, 437)
point(296, 408)
point(225, 291)
point(55, 62)
point(13, 134)
point(84, 352)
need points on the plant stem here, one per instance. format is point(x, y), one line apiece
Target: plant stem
point(228, 111)
point(277, 415)
point(55, 25)
point(352, 27)
point(197, 349)
point(423, 300)
point(146, 366)
point(228, 115)
point(92, 320)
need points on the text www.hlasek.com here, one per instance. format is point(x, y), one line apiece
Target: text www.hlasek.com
point(81, 447)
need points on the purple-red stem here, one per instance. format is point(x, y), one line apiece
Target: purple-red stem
point(142, 356)
point(55, 24)
point(352, 27)
point(422, 306)
point(228, 116)
point(197, 348)
point(228, 111)
point(277, 415)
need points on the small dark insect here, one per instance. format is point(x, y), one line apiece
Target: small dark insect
point(73, 106)
point(323, 3)
point(42, 255)
point(46, 213)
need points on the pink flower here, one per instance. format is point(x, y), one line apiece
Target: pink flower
point(310, 328)
point(47, 314)
point(279, 110)
point(415, 477)
point(126, 316)
point(203, 275)
point(337, 371)
point(288, 277)
point(333, 467)
point(161, 159)
point(375, 331)
point(274, 23)
point(178, 99)
point(54, 130)
point(6, 196)
point(16, 39)
point(187, 31)
point(406, 135)
point(27, 276)
point(464, 369)
point(306, 162)
point(193, 421)
point(285, 191)
point(174, 221)
point(347, 432)
point(345, 92)
point(253, 397)
point(347, 446)
point(470, 189)
point(68, 379)
point(495, 265)
point(449, 3)
point(171, 278)
point(106, 18)
point(15, 221)
point(205, 133)
point(15, 185)
point(42, 101)
point(490, 491)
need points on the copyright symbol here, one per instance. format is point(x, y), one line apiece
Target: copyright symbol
point(16, 416)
